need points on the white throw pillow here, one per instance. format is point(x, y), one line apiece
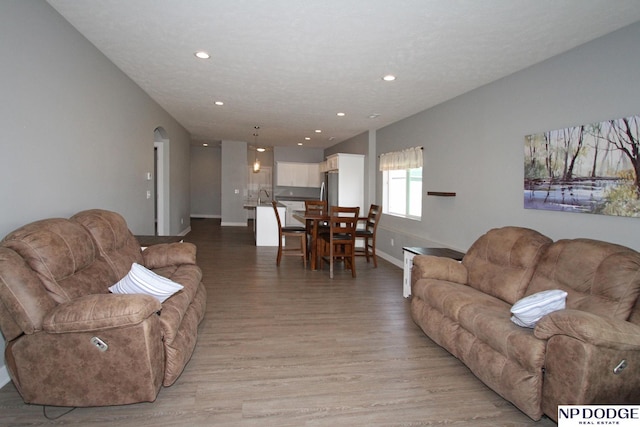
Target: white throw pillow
point(141, 280)
point(527, 311)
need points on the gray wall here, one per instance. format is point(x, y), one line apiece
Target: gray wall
point(298, 154)
point(206, 181)
point(76, 132)
point(474, 146)
point(234, 178)
point(356, 145)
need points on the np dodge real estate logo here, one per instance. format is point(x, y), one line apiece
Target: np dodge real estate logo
point(598, 415)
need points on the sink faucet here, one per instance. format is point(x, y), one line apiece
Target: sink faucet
point(260, 191)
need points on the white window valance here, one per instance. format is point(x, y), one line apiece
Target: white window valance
point(410, 158)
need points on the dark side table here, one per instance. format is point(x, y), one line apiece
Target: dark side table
point(145, 241)
point(410, 252)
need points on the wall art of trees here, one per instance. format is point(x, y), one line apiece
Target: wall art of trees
point(591, 168)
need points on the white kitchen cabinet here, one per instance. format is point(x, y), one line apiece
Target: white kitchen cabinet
point(290, 174)
point(331, 164)
point(314, 177)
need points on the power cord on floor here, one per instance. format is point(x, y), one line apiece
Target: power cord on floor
point(44, 412)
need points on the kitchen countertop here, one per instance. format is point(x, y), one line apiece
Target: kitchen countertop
point(295, 198)
point(253, 205)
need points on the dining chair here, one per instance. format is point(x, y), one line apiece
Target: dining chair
point(314, 206)
point(311, 205)
point(340, 241)
point(368, 235)
point(298, 232)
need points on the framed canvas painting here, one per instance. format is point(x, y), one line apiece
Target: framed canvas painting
point(592, 168)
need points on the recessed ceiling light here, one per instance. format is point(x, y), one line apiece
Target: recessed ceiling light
point(318, 131)
point(341, 114)
point(306, 138)
point(219, 103)
point(202, 55)
point(260, 149)
point(389, 78)
point(299, 143)
point(205, 145)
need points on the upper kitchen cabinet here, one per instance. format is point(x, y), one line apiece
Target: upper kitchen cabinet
point(290, 174)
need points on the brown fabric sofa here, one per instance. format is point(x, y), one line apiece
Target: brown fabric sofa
point(571, 354)
point(55, 308)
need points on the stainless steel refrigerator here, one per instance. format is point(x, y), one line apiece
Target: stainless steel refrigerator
point(332, 186)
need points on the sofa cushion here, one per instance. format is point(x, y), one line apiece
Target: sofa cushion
point(449, 298)
point(528, 310)
point(24, 302)
point(140, 280)
point(174, 309)
point(491, 325)
point(475, 327)
point(112, 236)
point(501, 262)
point(599, 277)
point(64, 256)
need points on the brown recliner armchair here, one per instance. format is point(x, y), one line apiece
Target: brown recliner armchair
point(70, 342)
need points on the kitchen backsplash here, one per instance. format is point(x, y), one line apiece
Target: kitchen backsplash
point(301, 192)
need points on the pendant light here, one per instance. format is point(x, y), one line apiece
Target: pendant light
point(256, 164)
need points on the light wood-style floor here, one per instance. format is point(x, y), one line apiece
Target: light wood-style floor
point(290, 347)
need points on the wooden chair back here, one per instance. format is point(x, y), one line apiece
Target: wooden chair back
point(315, 205)
point(293, 232)
point(368, 234)
point(339, 242)
point(373, 217)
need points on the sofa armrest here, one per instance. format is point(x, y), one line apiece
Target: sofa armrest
point(439, 268)
point(166, 254)
point(100, 312)
point(590, 328)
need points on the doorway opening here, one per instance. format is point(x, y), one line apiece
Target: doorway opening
point(161, 181)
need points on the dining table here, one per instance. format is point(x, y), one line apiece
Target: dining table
point(315, 217)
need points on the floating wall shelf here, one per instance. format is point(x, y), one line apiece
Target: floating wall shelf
point(440, 193)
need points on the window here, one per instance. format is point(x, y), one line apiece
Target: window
point(402, 183)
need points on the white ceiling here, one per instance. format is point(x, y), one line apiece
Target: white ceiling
point(290, 66)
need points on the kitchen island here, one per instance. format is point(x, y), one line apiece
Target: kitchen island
point(265, 226)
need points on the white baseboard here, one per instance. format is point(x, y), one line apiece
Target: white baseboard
point(4, 376)
point(185, 231)
point(205, 216)
point(233, 224)
point(392, 260)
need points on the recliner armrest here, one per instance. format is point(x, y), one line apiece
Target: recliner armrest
point(166, 254)
point(590, 328)
point(439, 268)
point(100, 312)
